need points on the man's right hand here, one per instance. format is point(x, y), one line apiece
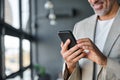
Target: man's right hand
point(71, 56)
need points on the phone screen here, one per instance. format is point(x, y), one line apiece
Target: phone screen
point(67, 34)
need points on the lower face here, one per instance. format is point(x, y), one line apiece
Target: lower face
point(102, 7)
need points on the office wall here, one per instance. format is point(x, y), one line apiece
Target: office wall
point(49, 43)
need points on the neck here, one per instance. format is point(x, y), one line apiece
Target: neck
point(111, 14)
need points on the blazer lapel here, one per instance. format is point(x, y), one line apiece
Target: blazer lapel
point(112, 36)
point(90, 29)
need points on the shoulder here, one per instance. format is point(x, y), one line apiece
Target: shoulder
point(82, 26)
point(86, 20)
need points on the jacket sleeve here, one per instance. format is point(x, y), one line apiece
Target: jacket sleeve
point(111, 71)
point(76, 74)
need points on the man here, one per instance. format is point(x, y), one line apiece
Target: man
point(96, 56)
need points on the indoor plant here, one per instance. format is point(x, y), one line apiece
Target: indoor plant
point(41, 72)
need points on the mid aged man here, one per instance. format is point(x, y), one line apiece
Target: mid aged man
point(96, 56)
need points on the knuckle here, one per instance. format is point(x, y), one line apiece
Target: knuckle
point(79, 52)
point(61, 52)
point(76, 47)
point(88, 38)
point(70, 51)
point(74, 61)
point(68, 60)
point(64, 56)
point(84, 43)
point(76, 53)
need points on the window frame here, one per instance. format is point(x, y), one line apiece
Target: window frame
point(6, 29)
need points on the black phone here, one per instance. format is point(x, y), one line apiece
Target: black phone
point(67, 34)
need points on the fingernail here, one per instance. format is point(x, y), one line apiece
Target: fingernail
point(68, 40)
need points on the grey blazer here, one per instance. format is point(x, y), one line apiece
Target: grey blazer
point(84, 69)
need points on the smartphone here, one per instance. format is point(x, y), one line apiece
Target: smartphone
point(67, 34)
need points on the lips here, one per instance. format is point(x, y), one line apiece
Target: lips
point(98, 6)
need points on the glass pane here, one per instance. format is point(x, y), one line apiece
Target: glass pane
point(16, 78)
point(26, 52)
point(11, 54)
point(25, 15)
point(12, 12)
point(27, 75)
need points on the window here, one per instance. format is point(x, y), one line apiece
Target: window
point(27, 75)
point(26, 52)
point(15, 40)
point(16, 78)
point(12, 13)
point(11, 54)
point(25, 15)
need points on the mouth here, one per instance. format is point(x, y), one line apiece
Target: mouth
point(98, 6)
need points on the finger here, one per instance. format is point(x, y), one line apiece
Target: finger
point(82, 55)
point(65, 46)
point(61, 44)
point(81, 45)
point(74, 55)
point(70, 51)
point(91, 56)
point(83, 40)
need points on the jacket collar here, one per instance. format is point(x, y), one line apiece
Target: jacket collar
point(112, 36)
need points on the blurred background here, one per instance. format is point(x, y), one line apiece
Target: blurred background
point(29, 44)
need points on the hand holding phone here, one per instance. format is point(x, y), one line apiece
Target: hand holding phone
point(71, 58)
point(67, 34)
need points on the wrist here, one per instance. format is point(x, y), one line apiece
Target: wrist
point(70, 68)
point(104, 62)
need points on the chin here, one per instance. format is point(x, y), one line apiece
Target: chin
point(102, 12)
